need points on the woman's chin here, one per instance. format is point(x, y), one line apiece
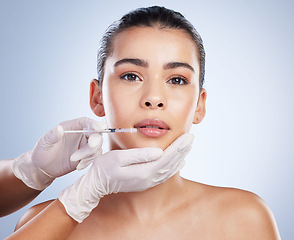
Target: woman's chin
point(142, 143)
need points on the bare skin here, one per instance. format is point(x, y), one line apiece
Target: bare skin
point(14, 193)
point(177, 209)
point(52, 223)
point(154, 88)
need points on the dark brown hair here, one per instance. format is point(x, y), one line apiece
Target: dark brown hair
point(155, 16)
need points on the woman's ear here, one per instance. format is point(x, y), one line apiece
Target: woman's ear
point(200, 109)
point(96, 102)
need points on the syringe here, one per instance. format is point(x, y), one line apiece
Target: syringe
point(108, 130)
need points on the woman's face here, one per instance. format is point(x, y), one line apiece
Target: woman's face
point(151, 82)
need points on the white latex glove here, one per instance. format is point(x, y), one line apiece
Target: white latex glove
point(130, 170)
point(57, 153)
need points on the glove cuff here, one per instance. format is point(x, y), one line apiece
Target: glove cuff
point(25, 170)
point(78, 199)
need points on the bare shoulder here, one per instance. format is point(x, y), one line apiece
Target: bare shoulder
point(241, 214)
point(245, 212)
point(31, 213)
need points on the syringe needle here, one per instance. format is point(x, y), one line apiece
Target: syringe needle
point(108, 130)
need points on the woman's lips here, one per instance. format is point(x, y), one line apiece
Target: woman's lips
point(152, 127)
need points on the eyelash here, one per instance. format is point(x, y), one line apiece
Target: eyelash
point(183, 80)
point(134, 78)
point(126, 75)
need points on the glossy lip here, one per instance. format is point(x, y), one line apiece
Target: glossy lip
point(152, 127)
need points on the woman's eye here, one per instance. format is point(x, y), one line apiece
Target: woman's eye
point(178, 81)
point(130, 77)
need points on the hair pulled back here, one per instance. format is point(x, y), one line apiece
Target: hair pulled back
point(155, 16)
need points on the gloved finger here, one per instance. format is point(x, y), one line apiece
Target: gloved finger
point(182, 143)
point(51, 137)
point(83, 141)
point(83, 153)
point(139, 156)
point(168, 160)
point(180, 147)
point(95, 140)
point(87, 150)
point(84, 163)
point(165, 174)
point(87, 161)
point(92, 140)
point(176, 168)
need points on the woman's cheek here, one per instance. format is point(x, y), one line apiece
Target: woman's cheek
point(183, 111)
point(116, 109)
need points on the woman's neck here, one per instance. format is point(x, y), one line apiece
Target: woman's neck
point(147, 204)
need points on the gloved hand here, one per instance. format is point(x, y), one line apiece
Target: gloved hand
point(57, 154)
point(130, 170)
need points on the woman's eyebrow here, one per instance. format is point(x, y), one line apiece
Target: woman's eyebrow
point(135, 61)
point(143, 63)
point(172, 65)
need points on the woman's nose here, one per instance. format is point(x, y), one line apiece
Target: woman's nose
point(153, 104)
point(153, 98)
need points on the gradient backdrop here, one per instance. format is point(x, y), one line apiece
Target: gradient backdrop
point(48, 58)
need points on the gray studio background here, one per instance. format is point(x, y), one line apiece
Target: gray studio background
point(48, 58)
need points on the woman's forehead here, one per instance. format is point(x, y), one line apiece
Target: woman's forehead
point(154, 43)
